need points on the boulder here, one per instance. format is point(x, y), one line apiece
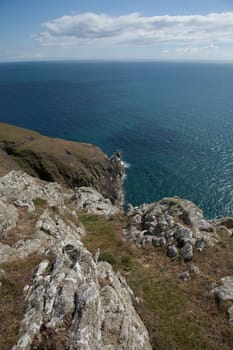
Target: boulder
point(223, 292)
point(172, 251)
point(185, 276)
point(89, 200)
point(186, 252)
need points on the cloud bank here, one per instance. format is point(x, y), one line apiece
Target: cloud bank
point(134, 29)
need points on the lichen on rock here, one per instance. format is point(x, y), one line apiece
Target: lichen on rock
point(173, 222)
point(72, 299)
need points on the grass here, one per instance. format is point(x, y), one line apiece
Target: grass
point(40, 202)
point(12, 309)
point(26, 223)
point(179, 315)
point(69, 163)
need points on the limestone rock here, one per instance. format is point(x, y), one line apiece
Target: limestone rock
point(8, 218)
point(71, 295)
point(2, 276)
point(91, 201)
point(185, 276)
point(186, 252)
point(24, 190)
point(224, 292)
point(172, 222)
point(172, 251)
point(100, 302)
point(193, 269)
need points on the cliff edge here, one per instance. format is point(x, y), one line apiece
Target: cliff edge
point(76, 272)
point(71, 164)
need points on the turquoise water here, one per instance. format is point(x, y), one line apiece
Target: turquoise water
point(173, 122)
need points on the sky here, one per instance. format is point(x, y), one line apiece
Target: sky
point(161, 30)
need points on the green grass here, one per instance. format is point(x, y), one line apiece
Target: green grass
point(178, 315)
point(40, 202)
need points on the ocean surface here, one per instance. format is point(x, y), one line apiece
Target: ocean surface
point(173, 122)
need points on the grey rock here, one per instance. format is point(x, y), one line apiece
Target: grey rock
point(6, 252)
point(186, 252)
point(2, 275)
point(137, 218)
point(193, 269)
point(230, 314)
point(182, 234)
point(172, 222)
point(91, 201)
point(172, 251)
point(200, 244)
point(8, 218)
point(25, 204)
point(224, 292)
point(185, 276)
point(133, 234)
point(98, 298)
point(129, 209)
point(70, 284)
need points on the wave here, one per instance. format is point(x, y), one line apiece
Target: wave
point(125, 164)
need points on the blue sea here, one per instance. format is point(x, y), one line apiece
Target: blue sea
point(173, 122)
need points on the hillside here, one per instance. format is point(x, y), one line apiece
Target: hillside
point(77, 272)
point(69, 163)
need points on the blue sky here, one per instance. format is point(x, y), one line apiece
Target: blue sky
point(111, 29)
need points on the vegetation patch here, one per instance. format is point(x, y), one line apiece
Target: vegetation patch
point(40, 202)
point(12, 307)
point(179, 315)
point(25, 226)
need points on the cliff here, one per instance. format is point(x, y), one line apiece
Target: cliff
point(76, 272)
point(69, 163)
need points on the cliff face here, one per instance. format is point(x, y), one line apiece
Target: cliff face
point(69, 163)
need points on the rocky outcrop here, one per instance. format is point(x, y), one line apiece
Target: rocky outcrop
point(92, 202)
point(83, 302)
point(69, 163)
point(174, 223)
point(223, 293)
point(73, 301)
point(8, 217)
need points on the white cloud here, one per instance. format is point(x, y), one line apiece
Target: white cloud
point(194, 50)
point(90, 29)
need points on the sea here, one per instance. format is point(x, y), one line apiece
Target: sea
point(172, 122)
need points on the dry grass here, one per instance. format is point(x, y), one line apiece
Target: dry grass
point(179, 315)
point(18, 274)
point(6, 163)
point(26, 223)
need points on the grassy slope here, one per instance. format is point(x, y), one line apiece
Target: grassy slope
point(179, 315)
point(25, 140)
point(69, 163)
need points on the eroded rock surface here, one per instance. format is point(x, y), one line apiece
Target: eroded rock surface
point(73, 301)
point(172, 222)
point(8, 217)
point(223, 292)
point(84, 301)
point(90, 201)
